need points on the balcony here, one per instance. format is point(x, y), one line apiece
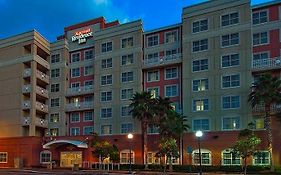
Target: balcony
point(80, 106)
point(82, 90)
point(26, 105)
point(43, 77)
point(42, 92)
point(267, 64)
point(164, 60)
point(26, 121)
point(26, 73)
point(261, 108)
point(41, 107)
point(26, 89)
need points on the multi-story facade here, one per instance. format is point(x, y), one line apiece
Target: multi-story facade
point(205, 65)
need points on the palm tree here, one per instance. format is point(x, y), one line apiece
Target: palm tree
point(266, 91)
point(143, 108)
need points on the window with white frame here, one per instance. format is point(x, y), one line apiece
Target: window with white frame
point(126, 128)
point(74, 117)
point(55, 58)
point(54, 131)
point(229, 158)
point(127, 76)
point(88, 130)
point(74, 131)
point(3, 157)
point(260, 17)
point(125, 111)
point(127, 59)
point(88, 70)
point(199, 26)
point(200, 85)
point(55, 73)
point(153, 75)
point(152, 58)
point(55, 102)
point(152, 129)
point(260, 38)
point(152, 40)
point(171, 73)
point(152, 158)
point(75, 72)
point(127, 42)
point(55, 87)
point(106, 112)
point(205, 157)
point(230, 60)
point(45, 157)
point(106, 129)
point(106, 47)
point(154, 91)
point(171, 90)
point(171, 36)
point(127, 94)
point(261, 158)
point(89, 84)
point(231, 123)
point(125, 157)
point(230, 81)
point(106, 80)
point(88, 54)
point(54, 118)
point(201, 124)
point(230, 19)
point(106, 63)
point(200, 105)
point(200, 65)
point(75, 57)
point(88, 116)
point(200, 45)
point(106, 96)
point(230, 39)
point(231, 102)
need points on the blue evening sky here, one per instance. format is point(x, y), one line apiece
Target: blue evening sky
point(49, 17)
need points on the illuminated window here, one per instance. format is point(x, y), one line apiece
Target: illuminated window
point(259, 123)
point(205, 157)
point(106, 129)
point(201, 105)
point(54, 118)
point(54, 131)
point(152, 158)
point(45, 157)
point(154, 91)
point(200, 85)
point(231, 123)
point(261, 158)
point(125, 157)
point(228, 158)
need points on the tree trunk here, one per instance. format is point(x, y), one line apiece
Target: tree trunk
point(170, 164)
point(145, 150)
point(267, 123)
point(181, 150)
point(245, 165)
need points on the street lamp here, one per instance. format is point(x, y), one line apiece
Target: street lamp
point(199, 134)
point(130, 137)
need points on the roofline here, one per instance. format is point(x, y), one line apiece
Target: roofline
point(163, 28)
point(270, 3)
point(194, 5)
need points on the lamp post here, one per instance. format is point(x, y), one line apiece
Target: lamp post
point(130, 137)
point(199, 134)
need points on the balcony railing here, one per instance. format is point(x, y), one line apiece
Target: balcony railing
point(41, 91)
point(261, 108)
point(26, 121)
point(79, 90)
point(40, 75)
point(41, 107)
point(26, 104)
point(26, 88)
point(26, 73)
point(265, 64)
point(79, 106)
point(37, 121)
point(169, 59)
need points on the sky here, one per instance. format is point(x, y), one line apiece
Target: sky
point(49, 17)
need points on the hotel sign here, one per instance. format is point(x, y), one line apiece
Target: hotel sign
point(82, 36)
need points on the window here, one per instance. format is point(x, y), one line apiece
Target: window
point(152, 58)
point(231, 81)
point(127, 42)
point(54, 131)
point(106, 80)
point(152, 76)
point(106, 129)
point(126, 128)
point(55, 102)
point(125, 157)
point(152, 158)
point(260, 38)
point(152, 40)
point(55, 73)
point(106, 47)
point(154, 91)
point(74, 131)
point(259, 123)
point(200, 45)
point(230, 39)
point(171, 90)
point(201, 124)
point(125, 111)
point(106, 112)
point(88, 85)
point(228, 158)
point(261, 59)
point(89, 54)
point(106, 63)
point(260, 17)
point(231, 102)
point(201, 105)
point(230, 123)
point(230, 60)
point(152, 129)
point(261, 158)
point(89, 99)
point(171, 73)
point(200, 65)
point(200, 85)
point(88, 130)
point(88, 116)
point(106, 96)
point(55, 87)
point(55, 58)
point(199, 26)
point(230, 19)
point(127, 59)
point(88, 70)
point(75, 57)
point(171, 36)
point(171, 54)
point(75, 117)
point(127, 94)
point(54, 118)
point(205, 157)
point(127, 76)
point(45, 157)
point(75, 72)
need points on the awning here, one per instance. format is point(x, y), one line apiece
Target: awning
point(77, 143)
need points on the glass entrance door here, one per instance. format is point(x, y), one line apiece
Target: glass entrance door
point(69, 158)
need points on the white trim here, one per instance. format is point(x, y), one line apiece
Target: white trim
point(201, 99)
point(75, 128)
point(171, 31)
point(165, 71)
point(263, 164)
point(230, 45)
point(199, 20)
point(200, 79)
point(106, 42)
point(127, 151)
point(230, 54)
point(45, 152)
point(259, 11)
point(171, 85)
point(229, 13)
point(53, 55)
point(228, 151)
point(230, 95)
point(77, 143)
point(126, 89)
point(154, 70)
point(230, 81)
point(126, 37)
point(106, 59)
point(6, 157)
point(202, 151)
point(84, 116)
point(127, 77)
point(71, 117)
point(106, 96)
point(199, 59)
point(261, 44)
point(106, 80)
point(79, 72)
point(149, 36)
point(106, 112)
point(199, 51)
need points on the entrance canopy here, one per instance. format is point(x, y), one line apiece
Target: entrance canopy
point(77, 143)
